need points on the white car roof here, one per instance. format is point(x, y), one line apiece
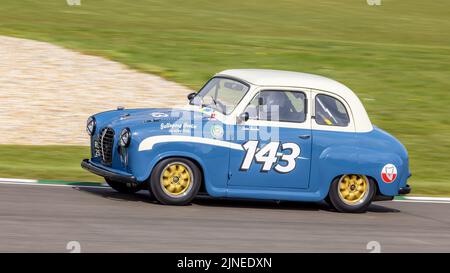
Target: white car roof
point(267, 77)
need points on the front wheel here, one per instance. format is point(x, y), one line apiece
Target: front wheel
point(351, 193)
point(122, 187)
point(175, 181)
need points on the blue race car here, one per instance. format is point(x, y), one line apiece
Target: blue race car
point(250, 133)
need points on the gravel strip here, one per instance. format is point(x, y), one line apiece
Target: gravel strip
point(47, 92)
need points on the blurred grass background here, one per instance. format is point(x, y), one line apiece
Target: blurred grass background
point(396, 57)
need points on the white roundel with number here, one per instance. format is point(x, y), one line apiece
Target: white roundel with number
point(217, 131)
point(389, 173)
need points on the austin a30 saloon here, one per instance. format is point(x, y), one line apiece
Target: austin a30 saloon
point(250, 133)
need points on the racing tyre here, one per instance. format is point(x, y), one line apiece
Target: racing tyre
point(352, 193)
point(175, 181)
point(122, 187)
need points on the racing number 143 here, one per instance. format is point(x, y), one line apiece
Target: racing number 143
point(268, 155)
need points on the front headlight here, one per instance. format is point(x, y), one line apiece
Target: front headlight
point(90, 126)
point(125, 137)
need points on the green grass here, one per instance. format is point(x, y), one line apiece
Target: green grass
point(44, 162)
point(396, 57)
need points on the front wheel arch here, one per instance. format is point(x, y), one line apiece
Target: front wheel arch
point(193, 160)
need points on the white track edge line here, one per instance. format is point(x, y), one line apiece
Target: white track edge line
point(422, 201)
point(53, 185)
point(427, 198)
point(15, 180)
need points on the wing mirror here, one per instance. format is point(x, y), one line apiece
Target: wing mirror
point(191, 96)
point(243, 117)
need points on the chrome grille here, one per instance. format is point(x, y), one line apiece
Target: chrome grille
point(106, 140)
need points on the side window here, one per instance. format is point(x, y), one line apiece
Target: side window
point(330, 111)
point(287, 106)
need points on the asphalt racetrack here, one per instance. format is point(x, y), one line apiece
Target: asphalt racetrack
point(36, 218)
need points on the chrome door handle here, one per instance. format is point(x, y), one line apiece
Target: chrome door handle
point(304, 136)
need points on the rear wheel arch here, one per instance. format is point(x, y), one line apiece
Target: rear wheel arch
point(375, 182)
point(333, 199)
point(368, 177)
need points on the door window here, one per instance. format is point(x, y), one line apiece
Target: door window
point(274, 105)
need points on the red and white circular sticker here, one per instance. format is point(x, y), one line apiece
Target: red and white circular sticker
point(389, 173)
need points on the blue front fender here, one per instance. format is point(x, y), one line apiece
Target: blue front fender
point(210, 159)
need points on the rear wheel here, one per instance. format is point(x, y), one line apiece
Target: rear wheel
point(122, 187)
point(352, 193)
point(175, 181)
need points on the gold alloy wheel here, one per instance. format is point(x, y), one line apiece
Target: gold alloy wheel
point(176, 179)
point(353, 188)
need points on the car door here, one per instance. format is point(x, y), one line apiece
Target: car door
point(275, 141)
